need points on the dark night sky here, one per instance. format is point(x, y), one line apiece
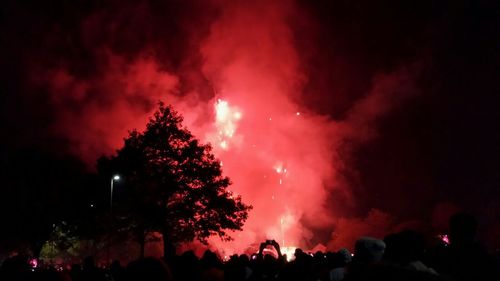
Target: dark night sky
point(441, 146)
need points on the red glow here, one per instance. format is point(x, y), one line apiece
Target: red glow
point(444, 238)
point(282, 157)
point(279, 163)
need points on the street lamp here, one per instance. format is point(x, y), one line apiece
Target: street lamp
point(113, 179)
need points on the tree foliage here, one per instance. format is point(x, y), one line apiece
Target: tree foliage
point(173, 184)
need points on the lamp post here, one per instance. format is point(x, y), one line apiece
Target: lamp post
point(113, 179)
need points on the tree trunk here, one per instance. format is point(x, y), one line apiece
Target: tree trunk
point(140, 237)
point(36, 248)
point(168, 246)
point(142, 244)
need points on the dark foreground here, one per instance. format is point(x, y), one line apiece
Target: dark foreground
point(400, 256)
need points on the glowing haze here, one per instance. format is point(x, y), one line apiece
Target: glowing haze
point(279, 161)
point(334, 119)
point(282, 157)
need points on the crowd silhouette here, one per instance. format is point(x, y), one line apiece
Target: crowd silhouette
point(399, 256)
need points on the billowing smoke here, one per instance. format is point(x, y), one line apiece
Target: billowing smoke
point(127, 93)
point(283, 157)
point(280, 154)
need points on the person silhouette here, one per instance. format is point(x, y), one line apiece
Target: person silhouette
point(148, 269)
point(464, 258)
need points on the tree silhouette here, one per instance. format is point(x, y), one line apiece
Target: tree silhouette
point(173, 184)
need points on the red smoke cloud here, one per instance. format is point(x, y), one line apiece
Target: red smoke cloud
point(96, 114)
point(282, 157)
point(281, 161)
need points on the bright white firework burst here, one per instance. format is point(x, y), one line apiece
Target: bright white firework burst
point(226, 121)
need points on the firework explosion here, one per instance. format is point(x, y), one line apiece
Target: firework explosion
point(281, 156)
point(334, 119)
point(278, 160)
point(271, 170)
point(288, 93)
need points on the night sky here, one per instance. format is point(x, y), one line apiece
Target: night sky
point(72, 85)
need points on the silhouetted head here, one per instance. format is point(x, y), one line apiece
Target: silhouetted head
point(319, 255)
point(244, 260)
point(116, 269)
point(115, 265)
point(368, 250)
point(345, 256)
point(269, 258)
point(393, 247)
point(233, 259)
point(462, 228)
point(88, 263)
point(298, 253)
point(404, 247)
point(412, 246)
point(210, 259)
point(148, 269)
point(189, 257)
point(76, 268)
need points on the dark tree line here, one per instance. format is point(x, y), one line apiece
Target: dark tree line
point(173, 184)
